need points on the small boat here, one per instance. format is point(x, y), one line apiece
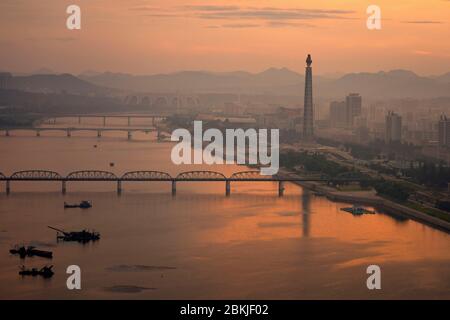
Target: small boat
point(83, 205)
point(80, 236)
point(357, 210)
point(31, 251)
point(45, 272)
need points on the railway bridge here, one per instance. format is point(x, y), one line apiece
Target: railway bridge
point(152, 176)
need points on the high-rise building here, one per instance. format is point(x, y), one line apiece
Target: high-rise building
point(5, 80)
point(338, 114)
point(353, 104)
point(393, 127)
point(444, 131)
point(308, 118)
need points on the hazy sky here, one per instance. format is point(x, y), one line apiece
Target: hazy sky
point(152, 36)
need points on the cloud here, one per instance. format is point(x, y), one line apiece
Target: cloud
point(423, 52)
point(269, 16)
point(422, 22)
point(211, 8)
point(240, 25)
point(270, 24)
point(283, 24)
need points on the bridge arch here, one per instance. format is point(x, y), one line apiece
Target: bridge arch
point(146, 176)
point(161, 101)
point(93, 175)
point(132, 100)
point(248, 175)
point(201, 175)
point(2, 176)
point(145, 101)
point(36, 175)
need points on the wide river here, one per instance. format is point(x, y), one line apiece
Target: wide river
point(199, 244)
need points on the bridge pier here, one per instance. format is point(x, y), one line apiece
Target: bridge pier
point(119, 187)
point(69, 133)
point(129, 121)
point(227, 188)
point(63, 187)
point(38, 133)
point(104, 121)
point(174, 187)
point(79, 120)
point(280, 188)
point(7, 133)
point(153, 121)
point(129, 135)
point(99, 133)
point(8, 187)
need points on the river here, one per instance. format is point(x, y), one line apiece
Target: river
point(199, 244)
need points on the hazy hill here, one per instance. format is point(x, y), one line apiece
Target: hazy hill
point(273, 81)
point(392, 84)
point(53, 83)
point(269, 81)
point(445, 78)
point(396, 83)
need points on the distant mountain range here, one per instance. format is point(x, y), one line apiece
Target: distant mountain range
point(268, 81)
point(273, 81)
point(392, 84)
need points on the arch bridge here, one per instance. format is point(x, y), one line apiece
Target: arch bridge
point(151, 175)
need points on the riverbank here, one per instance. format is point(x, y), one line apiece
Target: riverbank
point(370, 198)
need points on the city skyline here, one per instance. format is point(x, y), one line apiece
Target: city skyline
point(144, 37)
point(186, 150)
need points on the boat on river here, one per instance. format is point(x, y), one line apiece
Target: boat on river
point(30, 251)
point(355, 210)
point(45, 271)
point(79, 236)
point(83, 205)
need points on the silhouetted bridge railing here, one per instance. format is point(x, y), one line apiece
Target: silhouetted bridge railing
point(148, 176)
point(69, 130)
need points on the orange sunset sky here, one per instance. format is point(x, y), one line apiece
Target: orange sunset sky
point(153, 36)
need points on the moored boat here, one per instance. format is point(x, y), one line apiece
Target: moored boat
point(83, 205)
point(31, 251)
point(355, 210)
point(80, 236)
point(45, 272)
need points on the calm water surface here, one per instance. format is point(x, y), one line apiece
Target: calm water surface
point(200, 244)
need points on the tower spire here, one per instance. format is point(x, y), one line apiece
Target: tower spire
point(308, 116)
